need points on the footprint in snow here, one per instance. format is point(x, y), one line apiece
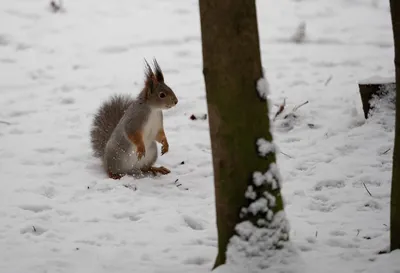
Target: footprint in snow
point(370, 205)
point(329, 184)
point(4, 40)
point(322, 206)
point(337, 233)
point(7, 61)
point(49, 150)
point(196, 260)
point(342, 243)
point(193, 223)
point(35, 208)
point(304, 247)
point(131, 216)
point(114, 49)
point(35, 230)
point(67, 100)
point(21, 113)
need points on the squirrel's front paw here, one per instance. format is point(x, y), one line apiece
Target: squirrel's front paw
point(140, 152)
point(164, 147)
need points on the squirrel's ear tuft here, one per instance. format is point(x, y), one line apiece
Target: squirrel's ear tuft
point(149, 76)
point(159, 74)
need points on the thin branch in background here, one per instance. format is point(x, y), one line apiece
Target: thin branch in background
point(365, 186)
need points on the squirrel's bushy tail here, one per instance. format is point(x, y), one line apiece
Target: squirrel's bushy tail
point(105, 121)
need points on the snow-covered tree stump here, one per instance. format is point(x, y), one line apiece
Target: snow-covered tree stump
point(374, 87)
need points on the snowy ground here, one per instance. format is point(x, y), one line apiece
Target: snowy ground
point(59, 212)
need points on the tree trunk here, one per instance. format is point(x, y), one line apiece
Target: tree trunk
point(238, 115)
point(371, 89)
point(395, 196)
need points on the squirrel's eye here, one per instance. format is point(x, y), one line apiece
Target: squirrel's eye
point(162, 95)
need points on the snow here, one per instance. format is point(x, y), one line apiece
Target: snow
point(265, 147)
point(254, 248)
point(263, 87)
point(60, 213)
point(377, 80)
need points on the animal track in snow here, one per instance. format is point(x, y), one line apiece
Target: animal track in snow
point(329, 184)
point(4, 40)
point(114, 49)
point(342, 243)
point(46, 150)
point(67, 100)
point(193, 223)
point(196, 260)
point(132, 216)
point(35, 208)
point(322, 206)
point(337, 233)
point(370, 205)
point(35, 230)
point(304, 247)
point(21, 113)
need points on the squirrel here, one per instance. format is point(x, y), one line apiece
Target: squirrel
point(125, 129)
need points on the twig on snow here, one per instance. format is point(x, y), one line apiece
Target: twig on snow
point(281, 108)
point(179, 185)
point(365, 186)
point(34, 229)
point(300, 105)
point(385, 152)
point(358, 232)
point(286, 155)
point(328, 80)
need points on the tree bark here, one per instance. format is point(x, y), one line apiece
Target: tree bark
point(238, 116)
point(368, 90)
point(395, 195)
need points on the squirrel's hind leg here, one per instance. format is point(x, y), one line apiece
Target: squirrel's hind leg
point(156, 170)
point(150, 159)
point(115, 176)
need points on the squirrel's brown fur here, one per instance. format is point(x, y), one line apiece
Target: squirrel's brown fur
point(125, 129)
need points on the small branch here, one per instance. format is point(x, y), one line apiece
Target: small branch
point(328, 80)
point(385, 152)
point(281, 108)
point(358, 232)
point(365, 186)
point(298, 106)
point(286, 155)
point(179, 185)
point(34, 229)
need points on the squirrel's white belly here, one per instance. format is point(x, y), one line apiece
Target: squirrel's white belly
point(152, 127)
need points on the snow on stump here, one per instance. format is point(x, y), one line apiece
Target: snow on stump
point(375, 86)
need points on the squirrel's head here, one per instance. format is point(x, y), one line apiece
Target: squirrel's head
point(158, 94)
